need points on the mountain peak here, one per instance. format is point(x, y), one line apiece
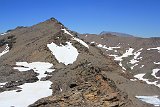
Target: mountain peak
point(96, 69)
point(53, 20)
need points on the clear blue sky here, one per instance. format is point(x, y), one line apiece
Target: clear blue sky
point(137, 17)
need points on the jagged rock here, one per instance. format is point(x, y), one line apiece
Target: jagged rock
point(72, 85)
point(30, 80)
point(111, 97)
point(11, 84)
point(91, 91)
point(45, 78)
point(2, 89)
point(18, 90)
point(114, 104)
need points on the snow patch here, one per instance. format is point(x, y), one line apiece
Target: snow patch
point(81, 42)
point(154, 100)
point(128, 52)
point(76, 39)
point(65, 31)
point(133, 61)
point(93, 42)
point(66, 54)
point(133, 79)
point(154, 71)
point(157, 63)
point(107, 48)
point(4, 33)
point(123, 71)
point(158, 48)
point(5, 50)
point(133, 66)
point(136, 55)
point(120, 64)
point(140, 77)
point(113, 55)
point(115, 51)
point(100, 45)
point(142, 66)
point(2, 84)
point(30, 93)
point(39, 67)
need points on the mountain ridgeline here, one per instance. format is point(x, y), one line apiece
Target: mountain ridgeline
point(48, 65)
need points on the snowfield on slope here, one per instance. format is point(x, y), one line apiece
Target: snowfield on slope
point(154, 100)
point(136, 55)
point(39, 67)
point(66, 54)
point(128, 53)
point(108, 48)
point(31, 92)
point(140, 77)
point(5, 50)
point(74, 38)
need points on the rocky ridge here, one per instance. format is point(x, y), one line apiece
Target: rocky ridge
point(94, 79)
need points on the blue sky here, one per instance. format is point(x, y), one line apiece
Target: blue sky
point(136, 17)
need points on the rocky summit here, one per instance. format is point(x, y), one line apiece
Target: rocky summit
point(48, 65)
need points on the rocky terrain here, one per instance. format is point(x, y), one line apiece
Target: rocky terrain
point(134, 54)
point(48, 65)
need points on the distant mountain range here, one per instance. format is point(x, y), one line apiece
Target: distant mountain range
point(116, 33)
